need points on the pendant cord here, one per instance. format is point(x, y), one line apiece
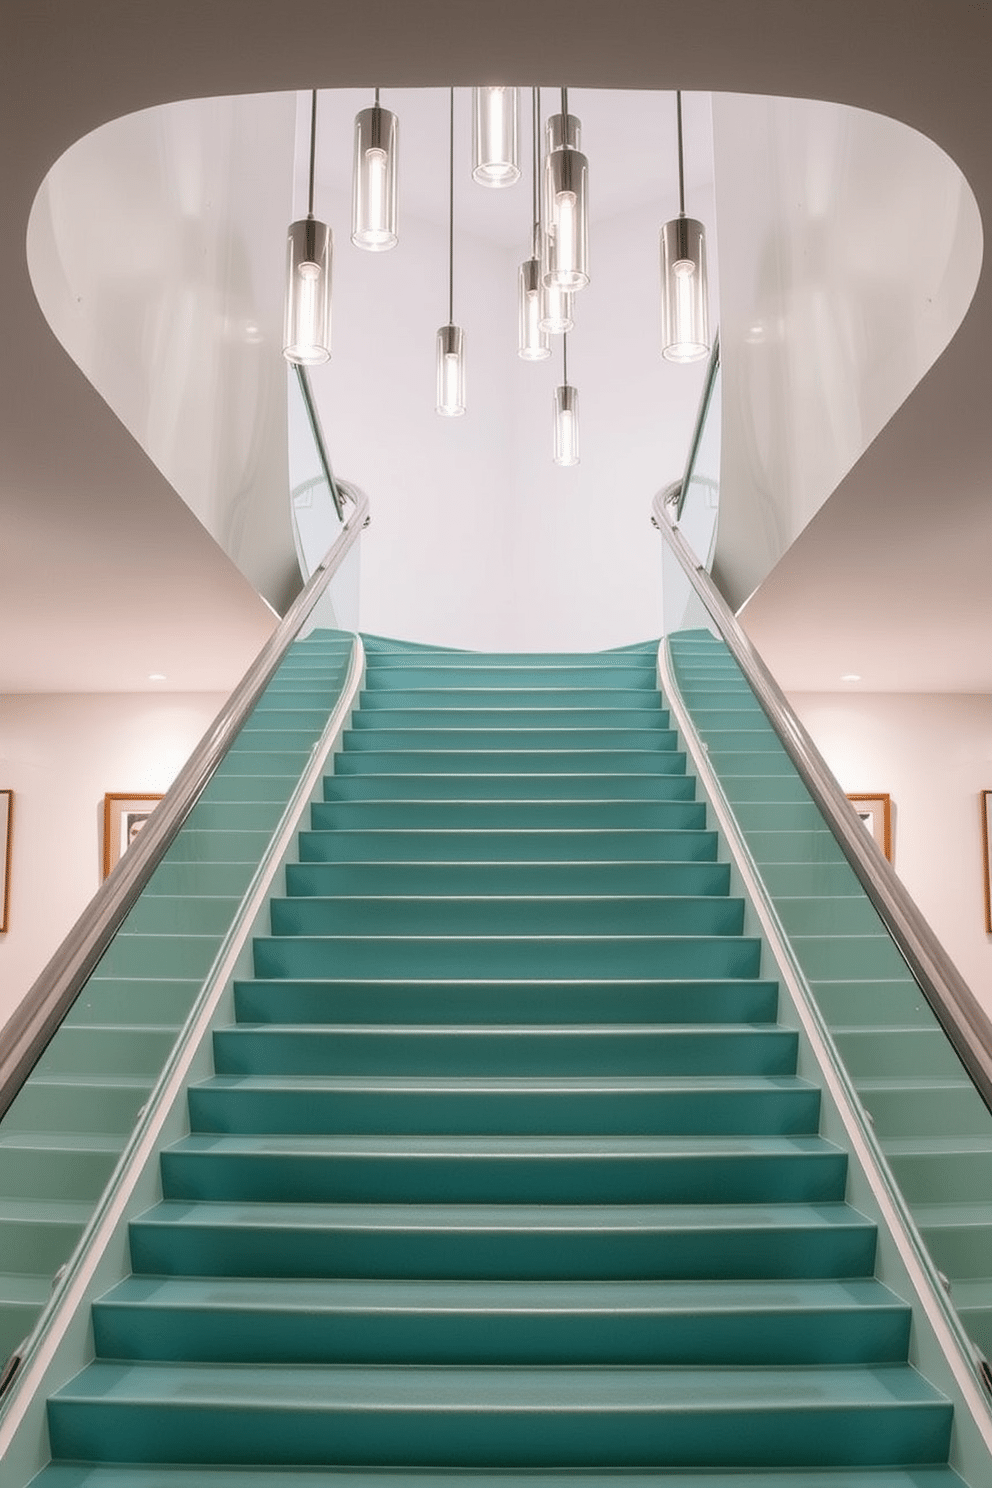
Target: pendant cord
point(536, 132)
point(451, 209)
point(678, 115)
point(313, 146)
point(377, 97)
point(564, 115)
point(564, 358)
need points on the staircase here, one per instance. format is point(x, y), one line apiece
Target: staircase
point(505, 1174)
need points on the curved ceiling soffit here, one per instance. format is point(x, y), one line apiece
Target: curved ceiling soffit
point(852, 250)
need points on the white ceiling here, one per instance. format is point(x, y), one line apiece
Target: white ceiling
point(104, 574)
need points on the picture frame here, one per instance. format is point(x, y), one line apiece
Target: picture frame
point(875, 811)
point(124, 814)
point(6, 853)
point(986, 804)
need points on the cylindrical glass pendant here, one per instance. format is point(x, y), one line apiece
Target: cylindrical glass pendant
point(556, 310)
point(450, 371)
point(307, 326)
point(568, 220)
point(685, 333)
point(494, 136)
point(532, 343)
point(566, 425)
point(373, 183)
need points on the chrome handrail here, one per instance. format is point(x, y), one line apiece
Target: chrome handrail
point(51, 996)
point(963, 1019)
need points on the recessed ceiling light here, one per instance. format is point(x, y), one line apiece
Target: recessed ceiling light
point(851, 677)
point(156, 676)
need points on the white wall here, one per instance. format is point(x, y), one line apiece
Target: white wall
point(60, 755)
point(156, 248)
point(933, 754)
point(852, 248)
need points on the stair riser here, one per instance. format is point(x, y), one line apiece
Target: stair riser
point(397, 676)
point(611, 1250)
point(440, 699)
point(447, 916)
point(464, 846)
point(378, 711)
point(805, 1178)
point(437, 736)
point(502, 788)
point(508, 879)
point(521, 815)
point(498, 1336)
point(565, 1004)
point(378, 1436)
point(522, 957)
point(708, 1112)
point(512, 760)
point(564, 1052)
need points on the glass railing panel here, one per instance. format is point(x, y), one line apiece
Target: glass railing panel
point(319, 507)
point(699, 499)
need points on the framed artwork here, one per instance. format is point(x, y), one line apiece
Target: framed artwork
point(876, 813)
point(6, 848)
point(987, 855)
point(124, 815)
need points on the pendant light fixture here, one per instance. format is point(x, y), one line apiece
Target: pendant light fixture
point(494, 136)
point(373, 182)
point(532, 339)
point(451, 338)
point(556, 303)
point(566, 415)
point(307, 324)
point(684, 313)
point(567, 215)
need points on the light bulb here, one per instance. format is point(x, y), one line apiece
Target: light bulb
point(494, 136)
point(450, 371)
point(373, 199)
point(566, 425)
point(532, 341)
point(307, 326)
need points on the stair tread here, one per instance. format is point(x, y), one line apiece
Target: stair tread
point(61, 1475)
point(623, 1389)
point(462, 1217)
point(421, 1145)
point(509, 1084)
point(491, 1296)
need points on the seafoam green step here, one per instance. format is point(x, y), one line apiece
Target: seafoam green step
point(487, 1105)
point(537, 1241)
point(502, 1322)
point(502, 880)
point(522, 1002)
point(131, 1476)
point(512, 1170)
point(518, 956)
point(485, 1417)
point(654, 786)
point(501, 845)
point(482, 915)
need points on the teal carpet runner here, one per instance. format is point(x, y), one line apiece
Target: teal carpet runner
point(505, 1175)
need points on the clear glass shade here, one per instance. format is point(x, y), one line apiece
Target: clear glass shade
point(533, 344)
point(685, 333)
point(556, 313)
point(450, 371)
point(567, 222)
point(494, 136)
point(566, 425)
point(307, 326)
point(373, 189)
